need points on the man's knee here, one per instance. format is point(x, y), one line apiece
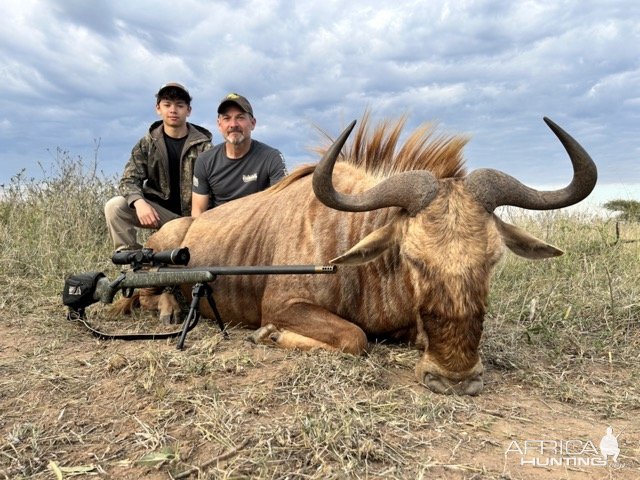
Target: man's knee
point(115, 206)
point(121, 222)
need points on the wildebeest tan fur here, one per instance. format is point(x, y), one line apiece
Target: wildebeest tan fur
point(414, 235)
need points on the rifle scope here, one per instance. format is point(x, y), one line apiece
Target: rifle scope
point(146, 256)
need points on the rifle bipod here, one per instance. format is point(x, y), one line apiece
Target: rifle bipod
point(198, 291)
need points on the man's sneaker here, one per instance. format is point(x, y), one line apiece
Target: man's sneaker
point(126, 248)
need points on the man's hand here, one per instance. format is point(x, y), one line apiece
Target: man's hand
point(147, 215)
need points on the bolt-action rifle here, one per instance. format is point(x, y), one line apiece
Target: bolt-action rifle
point(162, 269)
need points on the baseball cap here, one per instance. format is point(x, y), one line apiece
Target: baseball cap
point(239, 100)
point(174, 85)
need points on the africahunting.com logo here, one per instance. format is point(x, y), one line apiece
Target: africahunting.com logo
point(568, 453)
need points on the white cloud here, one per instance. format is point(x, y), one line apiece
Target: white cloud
point(74, 71)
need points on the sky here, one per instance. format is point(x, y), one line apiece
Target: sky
point(79, 77)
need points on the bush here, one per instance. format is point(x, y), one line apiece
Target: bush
point(53, 226)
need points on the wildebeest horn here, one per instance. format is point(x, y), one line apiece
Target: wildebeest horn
point(409, 190)
point(494, 188)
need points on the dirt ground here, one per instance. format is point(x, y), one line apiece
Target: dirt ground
point(73, 406)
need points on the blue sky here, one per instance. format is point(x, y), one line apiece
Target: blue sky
point(76, 74)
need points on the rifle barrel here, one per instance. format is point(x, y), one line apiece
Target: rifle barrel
point(260, 269)
point(169, 276)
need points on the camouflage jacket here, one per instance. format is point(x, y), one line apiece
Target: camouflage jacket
point(146, 174)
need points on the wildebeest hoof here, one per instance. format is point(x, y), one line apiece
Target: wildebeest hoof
point(262, 334)
point(274, 337)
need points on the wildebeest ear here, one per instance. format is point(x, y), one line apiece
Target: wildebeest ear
point(369, 248)
point(523, 244)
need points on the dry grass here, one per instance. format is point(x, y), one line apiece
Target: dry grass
point(560, 348)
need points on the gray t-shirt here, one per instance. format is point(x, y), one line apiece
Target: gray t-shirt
point(225, 179)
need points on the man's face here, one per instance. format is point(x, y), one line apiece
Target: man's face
point(174, 113)
point(236, 125)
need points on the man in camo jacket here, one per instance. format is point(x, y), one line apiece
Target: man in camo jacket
point(157, 180)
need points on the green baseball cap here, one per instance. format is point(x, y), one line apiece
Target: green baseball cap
point(238, 100)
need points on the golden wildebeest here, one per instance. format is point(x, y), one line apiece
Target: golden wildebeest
point(426, 239)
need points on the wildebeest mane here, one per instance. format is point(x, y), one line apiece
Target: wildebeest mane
point(377, 152)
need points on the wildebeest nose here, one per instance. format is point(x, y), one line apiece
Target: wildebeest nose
point(442, 385)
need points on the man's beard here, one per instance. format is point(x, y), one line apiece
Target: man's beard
point(236, 139)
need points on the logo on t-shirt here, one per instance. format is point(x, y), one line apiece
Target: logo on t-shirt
point(250, 178)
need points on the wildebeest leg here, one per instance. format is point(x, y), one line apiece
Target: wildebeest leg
point(164, 302)
point(269, 334)
point(170, 236)
point(306, 327)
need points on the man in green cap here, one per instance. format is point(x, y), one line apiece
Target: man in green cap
point(239, 166)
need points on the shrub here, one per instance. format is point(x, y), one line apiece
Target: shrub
point(53, 226)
